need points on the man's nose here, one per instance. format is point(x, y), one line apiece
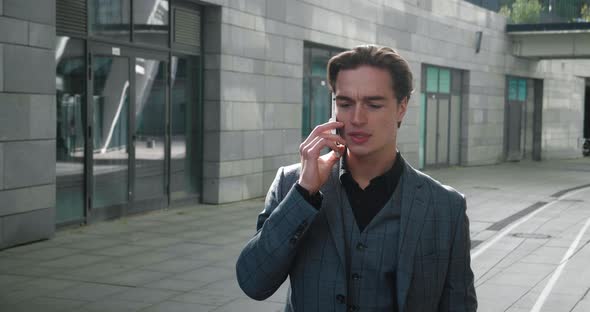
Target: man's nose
point(359, 115)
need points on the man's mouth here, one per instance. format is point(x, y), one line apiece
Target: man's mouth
point(359, 137)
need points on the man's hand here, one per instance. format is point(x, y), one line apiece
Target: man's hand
point(314, 167)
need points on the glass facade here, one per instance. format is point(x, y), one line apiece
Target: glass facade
point(70, 140)
point(129, 111)
point(150, 128)
point(185, 152)
point(150, 22)
point(110, 126)
point(110, 19)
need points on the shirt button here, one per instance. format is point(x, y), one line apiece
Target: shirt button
point(361, 247)
point(340, 298)
point(356, 277)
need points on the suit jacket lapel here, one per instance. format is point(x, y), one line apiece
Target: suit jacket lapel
point(332, 206)
point(414, 209)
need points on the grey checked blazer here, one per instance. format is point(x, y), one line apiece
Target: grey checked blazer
point(295, 240)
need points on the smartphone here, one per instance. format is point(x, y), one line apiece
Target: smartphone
point(333, 114)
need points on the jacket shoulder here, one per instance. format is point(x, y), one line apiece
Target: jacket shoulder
point(437, 188)
point(292, 171)
point(286, 178)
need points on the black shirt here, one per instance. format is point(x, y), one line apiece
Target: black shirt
point(368, 202)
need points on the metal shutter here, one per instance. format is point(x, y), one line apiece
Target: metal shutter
point(187, 27)
point(71, 16)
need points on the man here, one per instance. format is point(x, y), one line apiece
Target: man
point(365, 231)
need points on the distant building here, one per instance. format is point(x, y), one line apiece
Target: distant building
point(110, 107)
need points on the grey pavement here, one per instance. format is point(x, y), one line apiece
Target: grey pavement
point(183, 259)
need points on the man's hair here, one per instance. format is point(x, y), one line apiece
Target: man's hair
point(380, 57)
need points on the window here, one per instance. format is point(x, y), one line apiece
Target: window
point(516, 89)
point(316, 91)
point(150, 22)
point(110, 18)
point(70, 138)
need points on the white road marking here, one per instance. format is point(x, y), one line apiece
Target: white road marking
point(487, 244)
point(547, 290)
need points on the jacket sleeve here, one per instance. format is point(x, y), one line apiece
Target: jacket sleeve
point(459, 290)
point(265, 261)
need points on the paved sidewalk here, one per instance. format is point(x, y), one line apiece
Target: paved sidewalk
point(183, 259)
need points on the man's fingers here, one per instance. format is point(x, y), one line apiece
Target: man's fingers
point(321, 130)
point(306, 146)
point(326, 127)
point(333, 137)
point(314, 152)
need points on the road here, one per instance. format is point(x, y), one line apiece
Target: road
point(540, 261)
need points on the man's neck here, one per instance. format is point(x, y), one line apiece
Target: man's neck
point(364, 169)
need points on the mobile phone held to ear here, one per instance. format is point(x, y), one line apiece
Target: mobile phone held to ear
point(333, 114)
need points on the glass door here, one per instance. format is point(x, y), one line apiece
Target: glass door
point(149, 133)
point(109, 133)
point(185, 128)
point(128, 113)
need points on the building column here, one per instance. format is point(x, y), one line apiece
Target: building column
point(27, 121)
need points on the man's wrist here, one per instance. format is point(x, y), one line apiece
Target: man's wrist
point(314, 199)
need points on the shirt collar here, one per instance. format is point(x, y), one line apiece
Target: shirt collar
point(391, 176)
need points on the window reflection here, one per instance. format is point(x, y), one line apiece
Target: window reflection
point(185, 134)
point(150, 114)
point(110, 18)
point(110, 124)
point(150, 18)
point(70, 139)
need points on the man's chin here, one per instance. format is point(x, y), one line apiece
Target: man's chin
point(358, 151)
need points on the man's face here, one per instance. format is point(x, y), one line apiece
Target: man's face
point(366, 104)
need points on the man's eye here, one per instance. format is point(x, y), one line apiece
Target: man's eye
point(343, 104)
point(372, 105)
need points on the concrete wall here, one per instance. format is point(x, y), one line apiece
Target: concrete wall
point(253, 110)
point(27, 121)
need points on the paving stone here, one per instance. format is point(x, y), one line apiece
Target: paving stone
point(176, 284)
point(49, 253)
point(111, 305)
point(245, 305)
point(73, 261)
point(10, 281)
point(144, 295)
point(95, 271)
point(94, 243)
point(172, 306)
point(44, 304)
point(134, 278)
point(206, 274)
point(147, 258)
point(120, 250)
point(204, 298)
point(89, 291)
point(176, 265)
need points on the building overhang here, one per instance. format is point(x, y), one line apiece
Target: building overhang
point(550, 41)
